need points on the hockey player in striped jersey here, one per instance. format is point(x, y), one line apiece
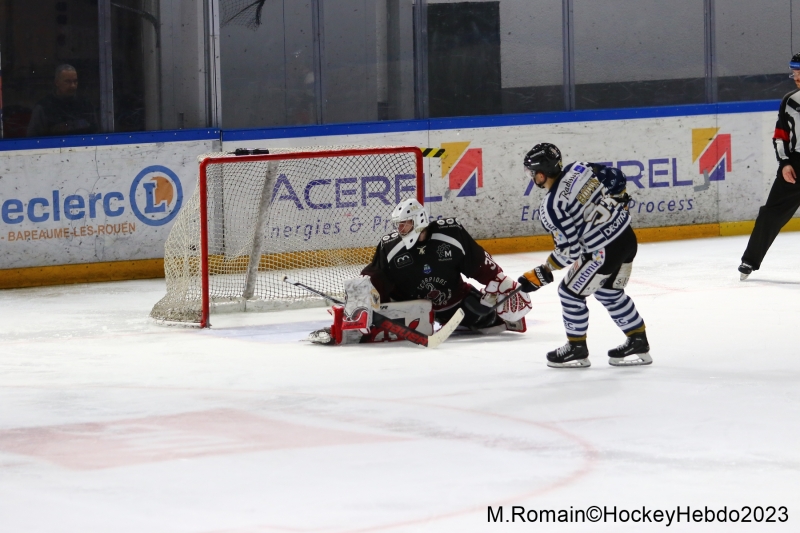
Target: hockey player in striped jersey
point(585, 211)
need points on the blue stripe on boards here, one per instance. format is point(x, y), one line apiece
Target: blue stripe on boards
point(389, 126)
point(110, 139)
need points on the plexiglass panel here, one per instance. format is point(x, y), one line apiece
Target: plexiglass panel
point(88, 66)
point(633, 53)
point(268, 68)
point(532, 56)
point(66, 34)
point(494, 57)
point(358, 67)
point(138, 65)
point(753, 49)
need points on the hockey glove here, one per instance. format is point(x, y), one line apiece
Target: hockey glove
point(535, 279)
point(612, 179)
point(513, 308)
point(623, 199)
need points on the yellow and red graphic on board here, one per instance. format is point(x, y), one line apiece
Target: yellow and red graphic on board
point(464, 166)
point(714, 152)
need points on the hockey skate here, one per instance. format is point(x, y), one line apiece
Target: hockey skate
point(744, 271)
point(635, 352)
point(574, 354)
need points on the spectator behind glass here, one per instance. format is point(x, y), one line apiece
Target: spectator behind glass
point(63, 112)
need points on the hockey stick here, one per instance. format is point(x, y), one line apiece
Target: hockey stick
point(429, 341)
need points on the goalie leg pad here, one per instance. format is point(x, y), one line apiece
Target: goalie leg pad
point(518, 326)
point(344, 329)
point(414, 314)
point(361, 299)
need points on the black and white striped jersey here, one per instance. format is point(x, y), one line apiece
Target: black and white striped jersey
point(785, 138)
point(580, 215)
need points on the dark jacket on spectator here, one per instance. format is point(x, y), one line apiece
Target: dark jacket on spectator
point(55, 115)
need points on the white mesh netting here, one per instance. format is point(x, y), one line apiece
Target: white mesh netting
point(315, 218)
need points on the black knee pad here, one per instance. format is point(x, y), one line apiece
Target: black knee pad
point(475, 313)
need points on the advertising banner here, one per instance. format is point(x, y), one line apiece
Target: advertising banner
point(93, 204)
point(96, 204)
point(681, 170)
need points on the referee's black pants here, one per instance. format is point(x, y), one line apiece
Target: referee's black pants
point(782, 203)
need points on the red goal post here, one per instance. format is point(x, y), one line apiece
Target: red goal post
point(314, 213)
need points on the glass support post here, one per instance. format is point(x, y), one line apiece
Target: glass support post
point(317, 21)
point(106, 70)
point(710, 52)
point(568, 25)
point(421, 58)
point(214, 74)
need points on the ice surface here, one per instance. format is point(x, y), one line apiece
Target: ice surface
point(109, 422)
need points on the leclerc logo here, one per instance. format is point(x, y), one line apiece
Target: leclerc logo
point(156, 195)
point(464, 166)
point(713, 151)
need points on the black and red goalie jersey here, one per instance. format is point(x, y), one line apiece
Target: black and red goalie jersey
point(432, 268)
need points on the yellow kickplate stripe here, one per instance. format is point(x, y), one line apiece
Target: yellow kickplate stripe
point(16, 278)
point(516, 245)
point(745, 227)
point(675, 233)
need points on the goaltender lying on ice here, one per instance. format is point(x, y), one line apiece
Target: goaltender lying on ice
point(417, 276)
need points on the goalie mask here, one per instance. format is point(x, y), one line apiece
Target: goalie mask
point(409, 218)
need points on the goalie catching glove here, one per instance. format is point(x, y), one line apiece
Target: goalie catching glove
point(535, 279)
point(515, 307)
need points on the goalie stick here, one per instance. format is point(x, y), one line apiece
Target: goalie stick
point(428, 341)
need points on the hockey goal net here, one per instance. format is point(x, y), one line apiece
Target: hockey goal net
point(316, 214)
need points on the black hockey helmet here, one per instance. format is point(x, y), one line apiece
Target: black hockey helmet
point(794, 63)
point(544, 158)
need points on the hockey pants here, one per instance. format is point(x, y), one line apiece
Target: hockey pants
point(605, 274)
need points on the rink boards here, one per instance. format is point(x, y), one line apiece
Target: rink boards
point(74, 208)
